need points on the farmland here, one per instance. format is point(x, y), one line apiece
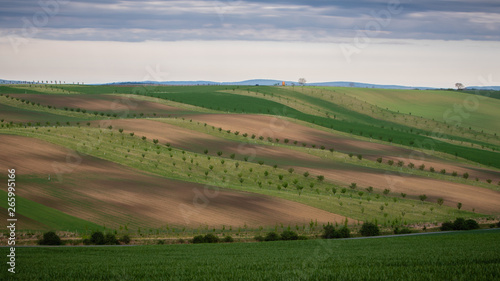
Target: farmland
point(450, 256)
point(126, 159)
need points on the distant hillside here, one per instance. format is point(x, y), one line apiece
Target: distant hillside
point(490, 88)
point(268, 82)
point(271, 82)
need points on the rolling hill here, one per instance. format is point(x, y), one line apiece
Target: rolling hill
point(177, 160)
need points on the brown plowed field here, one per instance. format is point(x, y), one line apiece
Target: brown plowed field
point(101, 103)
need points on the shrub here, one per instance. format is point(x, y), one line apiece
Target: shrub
point(110, 239)
point(369, 229)
point(211, 238)
point(471, 224)
point(344, 232)
point(272, 236)
point(404, 230)
point(259, 238)
point(50, 238)
point(459, 224)
point(228, 239)
point(97, 238)
point(289, 235)
point(125, 239)
point(198, 239)
point(329, 232)
point(447, 226)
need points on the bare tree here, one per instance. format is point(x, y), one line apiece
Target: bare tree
point(302, 81)
point(459, 86)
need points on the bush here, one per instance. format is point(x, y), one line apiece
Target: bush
point(471, 224)
point(447, 226)
point(50, 238)
point(259, 238)
point(110, 239)
point(459, 224)
point(344, 232)
point(289, 235)
point(211, 238)
point(198, 239)
point(208, 238)
point(369, 229)
point(272, 236)
point(228, 239)
point(302, 237)
point(404, 230)
point(87, 241)
point(329, 232)
point(125, 239)
point(97, 238)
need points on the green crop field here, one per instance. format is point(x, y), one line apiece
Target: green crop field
point(51, 218)
point(452, 106)
point(454, 256)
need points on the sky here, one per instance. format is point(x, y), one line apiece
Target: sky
point(405, 42)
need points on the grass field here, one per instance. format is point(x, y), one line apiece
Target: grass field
point(439, 105)
point(448, 256)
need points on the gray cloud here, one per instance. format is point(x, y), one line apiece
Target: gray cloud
point(317, 21)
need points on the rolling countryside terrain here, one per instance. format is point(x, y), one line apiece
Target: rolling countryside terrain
point(163, 164)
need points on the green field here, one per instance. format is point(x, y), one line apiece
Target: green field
point(455, 256)
point(477, 112)
point(50, 218)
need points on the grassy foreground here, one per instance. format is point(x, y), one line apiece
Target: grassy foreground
point(443, 256)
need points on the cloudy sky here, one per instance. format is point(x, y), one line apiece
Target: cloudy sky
point(415, 43)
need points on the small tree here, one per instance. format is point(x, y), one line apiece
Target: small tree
point(422, 197)
point(320, 178)
point(459, 205)
point(440, 201)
